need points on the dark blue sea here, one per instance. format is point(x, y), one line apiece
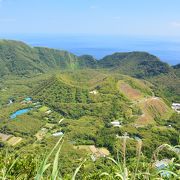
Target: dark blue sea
point(167, 49)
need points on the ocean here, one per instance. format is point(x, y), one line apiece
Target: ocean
point(167, 49)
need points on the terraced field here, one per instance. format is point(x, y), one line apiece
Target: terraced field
point(127, 90)
point(14, 141)
point(152, 107)
point(10, 139)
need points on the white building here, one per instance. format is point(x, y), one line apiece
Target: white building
point(94, 92)
point(48, 112)
point(176, 107)
point(162, 163)
point(116, 124)
point(58, 134)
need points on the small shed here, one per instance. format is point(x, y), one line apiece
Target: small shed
point(58, 134)
point(116, 124)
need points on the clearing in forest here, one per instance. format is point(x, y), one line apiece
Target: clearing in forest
point(153, 108)
point(128, 91)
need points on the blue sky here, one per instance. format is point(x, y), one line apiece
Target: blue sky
point(105, 17)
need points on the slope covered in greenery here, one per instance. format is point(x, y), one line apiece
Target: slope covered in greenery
point(74, 101)
point(81, 98)
point(167, 86)
point(83, 105)
point(17, 58)
point(137, 64)
point(177, 69)
point(109, 97)
point(143, 65)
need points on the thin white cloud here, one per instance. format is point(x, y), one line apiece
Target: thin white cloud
point(117, 17)
point(175, 24)
point(93, 7)
point(1, 2)
point(7, 20)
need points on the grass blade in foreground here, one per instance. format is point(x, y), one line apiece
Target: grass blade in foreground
point(44, 166)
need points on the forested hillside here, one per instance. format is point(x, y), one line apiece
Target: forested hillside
point(21, 59)
point(17, 58)
point(106, 119)
point(137, 64)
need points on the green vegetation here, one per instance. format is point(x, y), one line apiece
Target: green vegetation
point(74, 102)
point(20, 59)
point(97, 105)
point(137, 64)
point(111, 168)
point(176, 69)
point(167, 86)
point(17, 58)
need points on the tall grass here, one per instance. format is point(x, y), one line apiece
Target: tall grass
point(6, 169)
point(55, 174)
point(120, 168)
point(45, 170)
point(124, 172)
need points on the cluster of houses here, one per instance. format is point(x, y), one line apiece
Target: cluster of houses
point(176, 107)
point(162, 164)
point(10, 139)
point(27, 100)
point(47, 128)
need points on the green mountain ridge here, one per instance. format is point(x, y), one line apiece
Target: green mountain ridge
point(176, 66)
point(20, 59)
point(137, 64)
